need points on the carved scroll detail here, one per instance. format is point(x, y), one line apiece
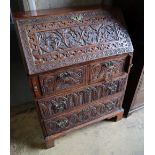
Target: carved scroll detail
point(57, 41)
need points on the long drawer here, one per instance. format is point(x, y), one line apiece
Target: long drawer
point(81, 116)
point(57, 104)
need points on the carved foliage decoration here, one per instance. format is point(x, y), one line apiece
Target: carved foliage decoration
point(61, 80)
point(107, 70)
point(47, 41)
point(50, 41)
point(89, 113)
point(60, 104)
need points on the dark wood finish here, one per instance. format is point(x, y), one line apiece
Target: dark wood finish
point(78, 64)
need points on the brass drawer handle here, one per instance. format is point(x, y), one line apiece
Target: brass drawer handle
point(60, 106)
point(113, 87)
point(110, 106)
point(64, 76)
point(109, 64)
point(62, 123)
point(77, 18)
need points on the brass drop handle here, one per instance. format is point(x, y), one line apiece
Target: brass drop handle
point(110, 105)
point(60, 106)
point(64, 76)
point(108, 64)
point(62, 123)
point(113, 87)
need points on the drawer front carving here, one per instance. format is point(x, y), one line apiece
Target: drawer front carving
point(62, 80)
point(58, 104)
point(107, 70)
point(84, 115)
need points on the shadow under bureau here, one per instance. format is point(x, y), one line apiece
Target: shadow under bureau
point(77, 61)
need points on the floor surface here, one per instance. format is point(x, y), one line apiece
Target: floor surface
point(103, 138)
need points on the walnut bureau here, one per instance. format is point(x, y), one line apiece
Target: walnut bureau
point(77, 61)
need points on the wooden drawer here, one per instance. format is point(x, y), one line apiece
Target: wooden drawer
point(61, 80)
point(61, 103)
point(82, 115)
point(107, 69)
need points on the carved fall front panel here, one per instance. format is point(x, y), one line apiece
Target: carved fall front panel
point(56, 41)
point(84, 115)
point(56, 105)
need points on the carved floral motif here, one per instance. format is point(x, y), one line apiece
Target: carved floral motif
point(62, 103)
point(62, 80)
point(86, 114)
point(50, 41)
point(107, 70)
point(56, 41)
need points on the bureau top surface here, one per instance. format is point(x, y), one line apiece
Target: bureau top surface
point(52, 39)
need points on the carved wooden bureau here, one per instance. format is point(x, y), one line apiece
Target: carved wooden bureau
point(78, 61)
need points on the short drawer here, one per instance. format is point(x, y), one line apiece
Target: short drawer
point(107, 69)
point(57, 104)
point(82, 115)
point(62, 80)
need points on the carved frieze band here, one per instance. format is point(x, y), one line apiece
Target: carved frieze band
point(89, 113)
point(68, 41)
point(60, 104)
point(44, 43)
